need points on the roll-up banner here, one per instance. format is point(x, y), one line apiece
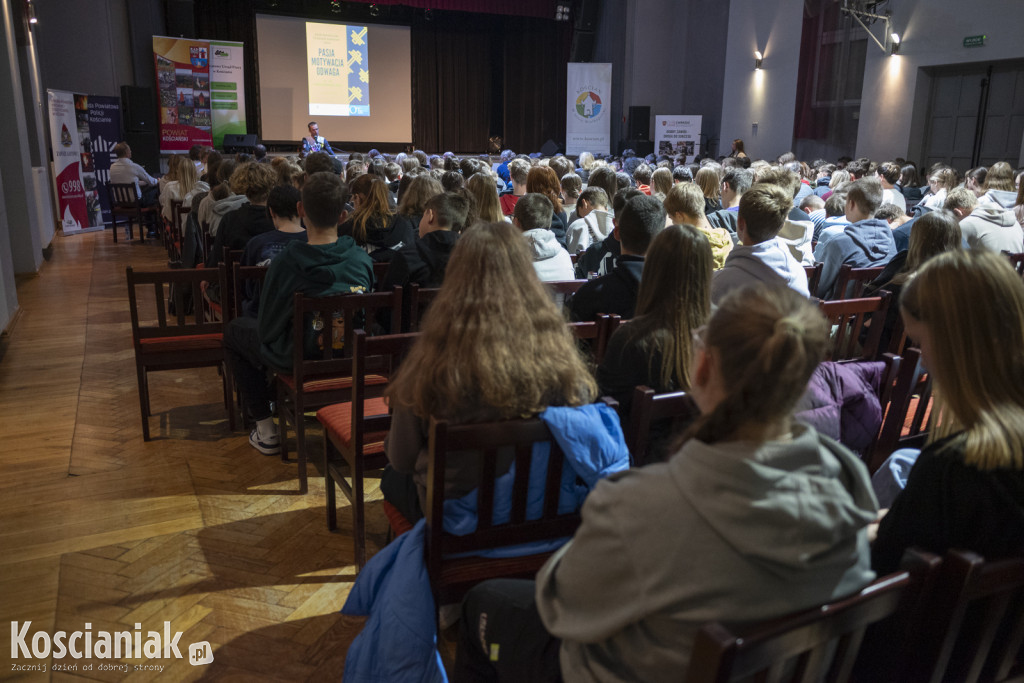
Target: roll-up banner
point(67, 161)
point(183, 84)
point(588, 115)
point(677, 136)
point(98, 151)
point(227, 90)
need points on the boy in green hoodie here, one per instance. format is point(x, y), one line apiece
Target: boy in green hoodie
point(322, 266)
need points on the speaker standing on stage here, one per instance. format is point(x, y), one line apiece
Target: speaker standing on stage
point(314, 142)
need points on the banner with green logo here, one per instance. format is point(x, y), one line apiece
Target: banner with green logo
point(227, 90)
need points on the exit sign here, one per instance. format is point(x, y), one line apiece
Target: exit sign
point(974, 41)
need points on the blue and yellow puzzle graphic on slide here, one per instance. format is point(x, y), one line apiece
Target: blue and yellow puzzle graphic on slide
point(338, 70)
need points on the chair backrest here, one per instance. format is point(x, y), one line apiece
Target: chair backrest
point(912, 384)
point(238, 291)
point(379, 355)
point(596, 333)
point(125, 195)
point(380, 269)
point(851, 281)
point(813, 276)
point(565, 286)
point(347, 311)
point(515, 440)
point(649, 407)
point(813, 645)
point(847, 317)
point(176, 308)
point(973, 627)
point(419, 300)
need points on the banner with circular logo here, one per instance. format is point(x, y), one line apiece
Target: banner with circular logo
point(588, 120)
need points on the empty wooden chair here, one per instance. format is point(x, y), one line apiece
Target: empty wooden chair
point(450, 578)
point(126, 203)
point(172, 333)
point(314, 383)
point(851, 282)
point(667, 412)
point(354, 431)
point(972, 627)
point(848, 318)
point(819, 644)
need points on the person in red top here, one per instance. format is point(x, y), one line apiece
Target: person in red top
point(518, 169)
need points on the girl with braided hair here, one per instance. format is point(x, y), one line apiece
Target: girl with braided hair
point(754, 517)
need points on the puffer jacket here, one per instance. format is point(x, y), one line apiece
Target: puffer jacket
point(841, 402)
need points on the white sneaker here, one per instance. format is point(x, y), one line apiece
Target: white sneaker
point(266, 441)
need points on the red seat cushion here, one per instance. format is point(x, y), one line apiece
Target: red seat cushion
point(337, 422)
point(183, 343)
point(399, 524)
point(331, 383)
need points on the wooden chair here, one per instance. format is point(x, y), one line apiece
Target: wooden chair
point(847, 317)
point(813, 276)
point(595, 334)
point(175, 340)
point(911, 382)
point(511, 439)
point(565, 287)
point(813, 645)
point(231, 308)
point(380, 269)
point(315, 383)
point(851, 282)
point(972, 627)
point(419, 299)
point(354, 431)
point(126, 203)
point(175, 234)
point(650, 408)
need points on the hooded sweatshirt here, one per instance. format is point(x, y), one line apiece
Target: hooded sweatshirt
point(1002, 198)
point(770, 262)
point(550, 260)
point(863, 244)
point(216, 209)
point(736, 532)
point(314, 270)
point(994, 228)
point(583, 232)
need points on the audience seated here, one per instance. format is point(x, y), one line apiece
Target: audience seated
point(889, 176)
point(326, 264)
point(601, 257)
point(998, 189)
point(965, 309)
point(532, 215)
point(124, 170)
point(372, 224)
point(425, 259)
point(685, 206)
point(797, 231)
point(709, 182)
point(654, 349)
point(518, 172)
point(492, 347)
point(594, 222)
point(755, 517)
point(542, 180)
point(181, 190)
point(486, 203)
point(985, 225)
point(419, 188)
point(940, 182)
point(636, 225)
point(221, 200)
point(866, 242)
point(282, 206)
point(237, 227)
point(760, 257)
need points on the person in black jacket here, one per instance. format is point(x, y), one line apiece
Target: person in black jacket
point(637, 224)
point(239, 226)
point(373, 225)
point(424, 260)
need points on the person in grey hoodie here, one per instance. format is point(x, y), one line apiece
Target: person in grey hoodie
point(755, 517)
point(999, 189)
point(760, 257)
point(985, 225)
point(532, 215)
point(865, 243)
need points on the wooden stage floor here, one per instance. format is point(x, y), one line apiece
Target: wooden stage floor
point(194, 527)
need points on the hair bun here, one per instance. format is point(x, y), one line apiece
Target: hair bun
point(790, 325)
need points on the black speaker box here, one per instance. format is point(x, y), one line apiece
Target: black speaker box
point(145, 150)
point(587, 15)
point(550, 148)
point(139, 107)
point(641, 147)
point(239, 143)
point(639, 123)
point(582, 49)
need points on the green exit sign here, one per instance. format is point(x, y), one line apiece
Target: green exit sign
point(974, 41)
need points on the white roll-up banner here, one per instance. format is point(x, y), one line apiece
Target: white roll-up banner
point(588, 108)
point(677, 136)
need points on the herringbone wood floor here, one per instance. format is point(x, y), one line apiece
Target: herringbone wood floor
point(193, 527)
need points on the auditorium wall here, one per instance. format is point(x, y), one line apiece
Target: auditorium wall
point(933, 33)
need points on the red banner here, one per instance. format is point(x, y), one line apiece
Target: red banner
point(183, 88)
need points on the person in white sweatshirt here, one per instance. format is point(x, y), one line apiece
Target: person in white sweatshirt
point(594, 222)
point(760, 257)
point(985, 225)
point(532, 215)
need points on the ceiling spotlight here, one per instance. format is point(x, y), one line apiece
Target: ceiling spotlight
point(374, 10)
point(894, 48)
point(428, 14)
point(32, 13)
point(562, 12)
point(758, 59)
point(336, 6)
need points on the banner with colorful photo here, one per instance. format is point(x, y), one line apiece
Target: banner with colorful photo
point(183, 87)
point(67, 161)
point(677, 136)
point(227, 90)
point(588, 115)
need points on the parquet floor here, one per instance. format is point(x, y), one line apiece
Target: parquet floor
point(194, 527)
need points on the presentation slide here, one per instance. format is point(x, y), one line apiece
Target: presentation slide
point(337, 70)
point(321, 71)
